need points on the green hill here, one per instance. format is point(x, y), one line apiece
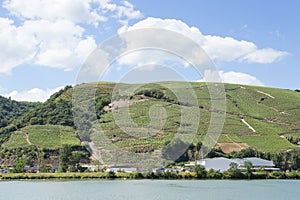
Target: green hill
point(266, 119)
point(272, 113)
point(55, 111)
point(43, 136)
point(11, 110)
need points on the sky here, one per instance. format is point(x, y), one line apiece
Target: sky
point(44, 43)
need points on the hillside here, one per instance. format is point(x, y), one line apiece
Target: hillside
point(266, 119)
point(11, 110)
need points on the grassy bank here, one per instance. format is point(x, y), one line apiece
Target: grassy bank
point(162, 176)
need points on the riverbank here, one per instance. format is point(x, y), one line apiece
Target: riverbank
point(166, 176)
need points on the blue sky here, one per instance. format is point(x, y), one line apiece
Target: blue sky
point(44, 42)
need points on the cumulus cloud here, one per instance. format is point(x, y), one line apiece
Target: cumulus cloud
point(218, 48)
point(32, 95)
point(230, 77)
point(61, 43)
point(58, 44)
point(16, 47)
point(71, 10)
point(227, 48)
point(265, 56)
point(51, 32)
point(123, 12)
point(77, 11)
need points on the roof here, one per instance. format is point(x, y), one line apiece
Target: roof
point(223, 164)
point(256, 162)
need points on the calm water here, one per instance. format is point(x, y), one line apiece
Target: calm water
point(147, 189)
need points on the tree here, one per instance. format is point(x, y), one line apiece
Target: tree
point(234, 170)
point(64, 158)
point(248, 166)
point(74, 161)
point(69, 160)
point(19, 166)
point(200, 171)
point(295, 161)
point(214, 174)
point(98, 163)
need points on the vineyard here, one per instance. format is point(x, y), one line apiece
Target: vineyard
point(154, 115)
point(271, 112)
point(43, 136)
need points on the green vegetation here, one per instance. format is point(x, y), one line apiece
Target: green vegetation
point(272, 113)
point(210, 174)
point(43, 136)
point(19, 166)
point(11, 110)
point(69, 160)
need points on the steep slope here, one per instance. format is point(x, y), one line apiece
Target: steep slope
point(257, 117)
point(266, 119)
point(11, 110)
point(57, 110)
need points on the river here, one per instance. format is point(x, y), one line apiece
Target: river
point(150, 190)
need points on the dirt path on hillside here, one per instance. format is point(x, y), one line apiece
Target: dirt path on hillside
point(94, 151)
point(27, 138)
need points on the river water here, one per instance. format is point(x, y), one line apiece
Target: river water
point(150, 190)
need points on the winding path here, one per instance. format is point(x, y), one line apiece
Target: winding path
point(95, 152)
point(27, 138)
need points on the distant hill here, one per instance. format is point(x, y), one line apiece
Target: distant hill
point(11, 110)
point(266, 119)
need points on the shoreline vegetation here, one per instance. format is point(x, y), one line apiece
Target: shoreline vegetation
point(205, 175)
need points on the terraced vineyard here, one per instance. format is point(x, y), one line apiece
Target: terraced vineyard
point(43, 136)
point(258, 117)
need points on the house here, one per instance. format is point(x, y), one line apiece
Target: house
point(122, 169)
point(4, 171)
point(223, 164)
point(163, 170)
point(91, 168)
point(257, 164)
point(31, 169)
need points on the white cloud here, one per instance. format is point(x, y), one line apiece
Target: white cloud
point(72, 10)
point(77, 11)
point(169, 24)
point(218, 48)
point(265, 56)
point(16, 46)
point(124, 11)
point(58, 44)
point(32, 95)
point(61, 43)
point(172, 43)
point(230, 77)
point(227, 49)
point(51, 33)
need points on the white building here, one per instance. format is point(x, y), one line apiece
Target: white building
point(122, 169)
point(223, 164)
